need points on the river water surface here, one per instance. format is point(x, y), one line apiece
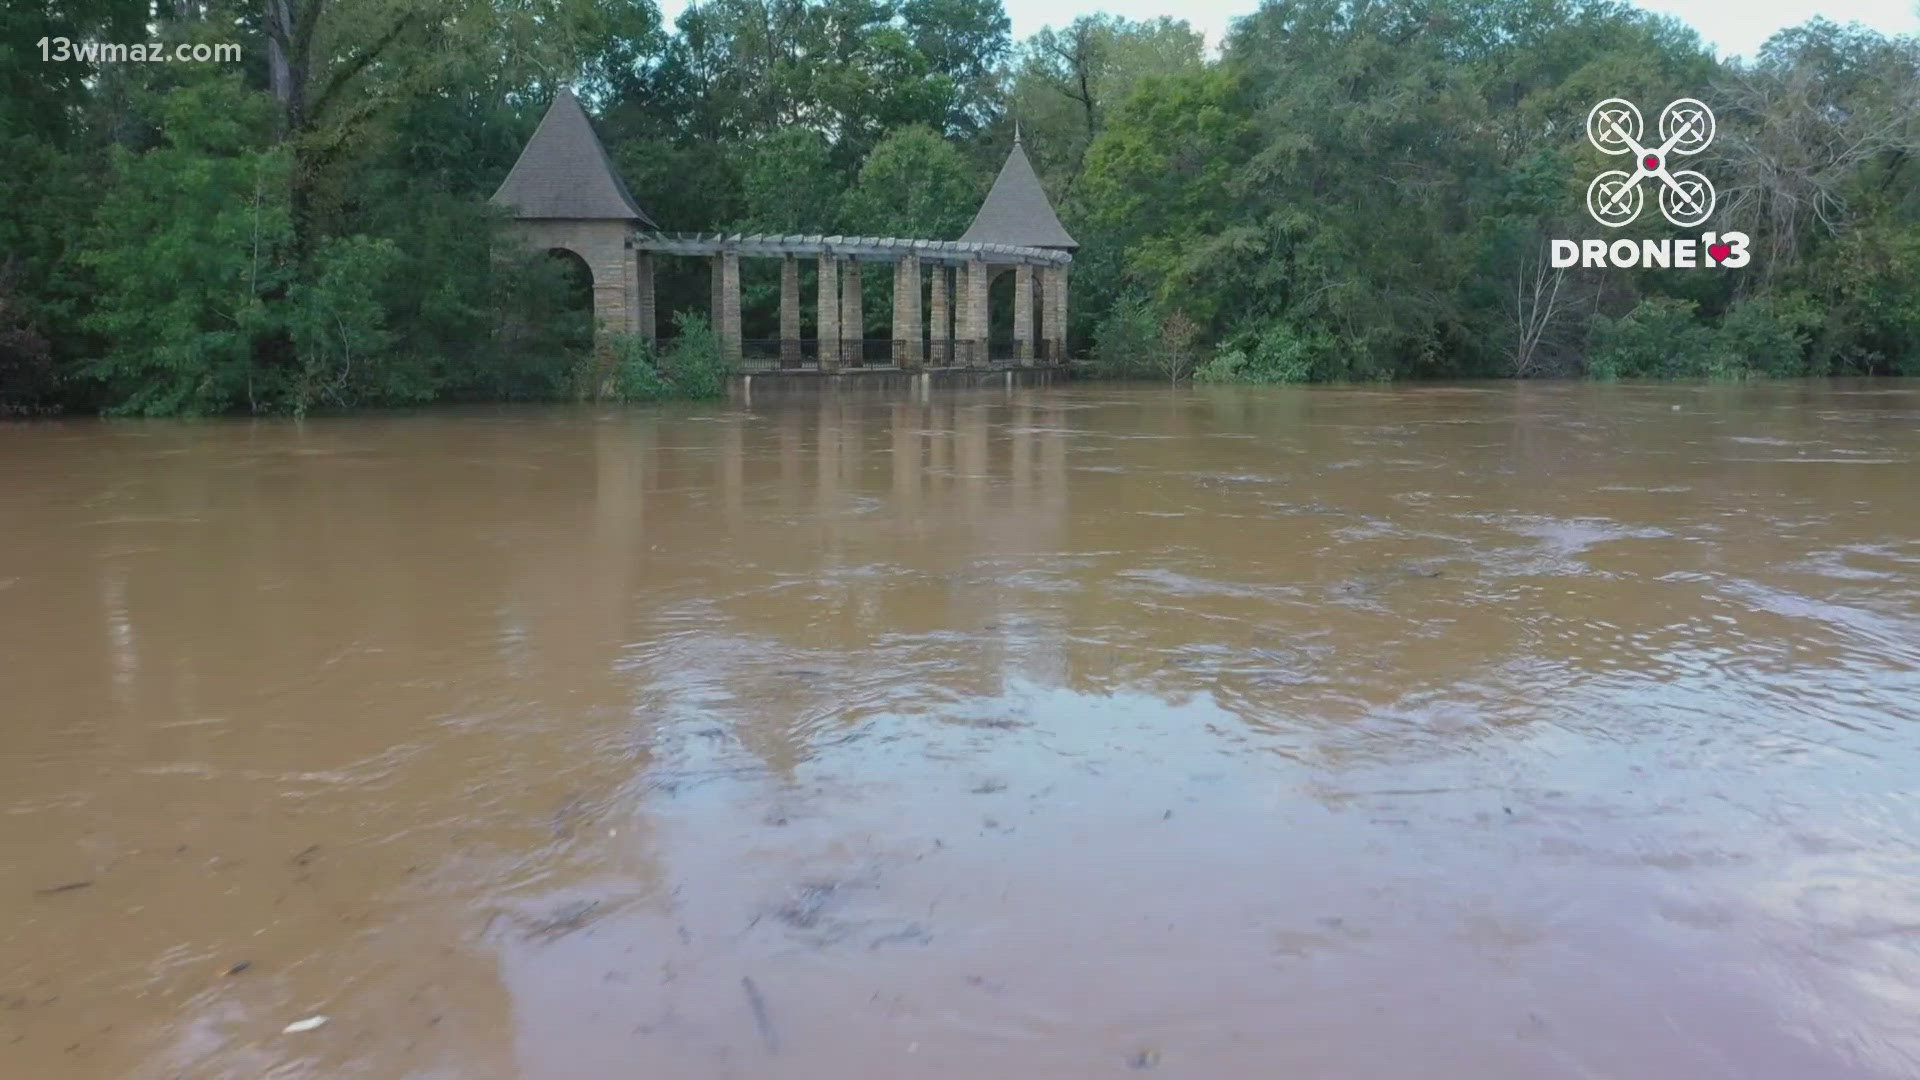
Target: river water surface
point(1512, 731)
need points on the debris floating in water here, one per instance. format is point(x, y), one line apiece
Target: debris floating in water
point(760, 1017)
point(298, 1026)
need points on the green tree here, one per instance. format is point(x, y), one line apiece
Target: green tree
point(1066, 82)
point(790, 182)
point(190, 241)
point(913, 184)
point(1161, 206)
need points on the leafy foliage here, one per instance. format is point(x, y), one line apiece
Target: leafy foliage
point(914, 183)
point(1664, 338)
point(1351, 189)
point(1125, 340)
point(693, 362)
point(28, 377)
point(187, 247)
point(338, 328)
point(691, 365)
point(1274, 352)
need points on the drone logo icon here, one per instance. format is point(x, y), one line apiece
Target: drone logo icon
point(1615, 196)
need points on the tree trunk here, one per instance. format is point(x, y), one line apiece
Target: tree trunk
point(290, 30)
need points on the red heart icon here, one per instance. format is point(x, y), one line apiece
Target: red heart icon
point(1719, 252)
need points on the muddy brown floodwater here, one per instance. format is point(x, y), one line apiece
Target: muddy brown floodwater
point(1511, 731)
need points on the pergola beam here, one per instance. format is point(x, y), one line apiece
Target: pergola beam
point(866, 248)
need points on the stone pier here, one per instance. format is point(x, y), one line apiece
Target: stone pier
point(789, 312)
point(974, 336)
point(962, 355)
point(908, 334)
point(648, 314)
point(827, 314)
point(1023, 314)
point(1054, 316)
point(726, 305)
point(853, 316)
point(940, 335)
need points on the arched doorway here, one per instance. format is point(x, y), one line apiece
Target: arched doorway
point(568, 286)
point(1003, 306)
point(1000, 301)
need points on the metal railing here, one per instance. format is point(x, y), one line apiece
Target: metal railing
point(766, 354)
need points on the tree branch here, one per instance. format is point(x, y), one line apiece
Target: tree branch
point(346, 72)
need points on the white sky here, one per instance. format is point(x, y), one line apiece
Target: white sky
point(1732, 27)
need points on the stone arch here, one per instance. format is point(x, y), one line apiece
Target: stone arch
point(576, 264)
point(1000, 299)
point(1006, 339)
point(579, 290)
point(602, 246)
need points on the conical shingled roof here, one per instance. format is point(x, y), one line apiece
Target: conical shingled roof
point(564, 172)
point(1017, 211)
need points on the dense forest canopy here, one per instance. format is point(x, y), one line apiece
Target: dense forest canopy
point(1347, 189)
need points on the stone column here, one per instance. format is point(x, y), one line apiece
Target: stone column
point(789, 312)
point(612, 289)
point(727, 325)
point(1049, 314)
point(853, 319)
point(1023, 313)
point(908, 334)
point(916, 314)
point(962, 356)
point(826, 334)
point(898, 335)
point(645, 311)
point(630, 276)
point(942, 334)
point(977, 324)
point(1057, 329)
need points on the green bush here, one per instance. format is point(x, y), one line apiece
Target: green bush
point(694, 363)
point(28, 378)
point(1225, 366)
point(536, 342)
point(1872, 318)
point(1663, 338)
point(690, 367)
point(339, 331)
point(636, 369)
point(1126, 341)
point(1768, 336)
point(1659, 339)
point(1274, 352)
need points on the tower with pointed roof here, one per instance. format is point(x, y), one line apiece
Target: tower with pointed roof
point(564, 173)
point(564, 194)
point(1017, 212)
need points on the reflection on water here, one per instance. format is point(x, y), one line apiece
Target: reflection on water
point(1512, 731)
